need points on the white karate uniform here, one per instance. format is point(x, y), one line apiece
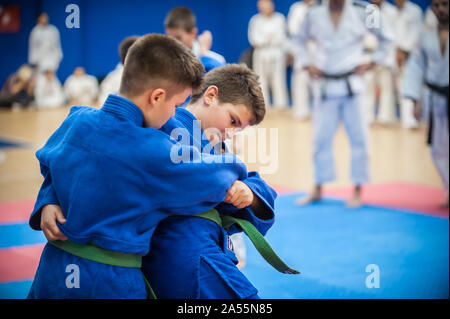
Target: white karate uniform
point(430, 20)
point(110, 84)
point(428, 64)
point(82, 89)
point(45, 47)
point(382, 76)
point(339, 51)
point(48, 94)
point(408, 25)
point(268, 37)
point(300, 77)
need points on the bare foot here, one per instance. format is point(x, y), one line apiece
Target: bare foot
point(311, 198)
point(444, 204)
point(355, 202)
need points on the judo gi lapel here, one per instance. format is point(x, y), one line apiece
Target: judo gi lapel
point(123, 109)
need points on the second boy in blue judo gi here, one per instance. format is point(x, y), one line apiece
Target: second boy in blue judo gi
point(192, 257)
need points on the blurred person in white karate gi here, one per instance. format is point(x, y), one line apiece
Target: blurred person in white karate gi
point(339, 27)
point(111, 83)
point(382, 75)
point(407, 28)
point(430, 20)
point(81, 88)
point(44, 45)
point(267, 35)
point(429, 65)
point(48, 92)
point(300, 78)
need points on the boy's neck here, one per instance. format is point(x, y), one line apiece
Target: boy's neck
point(136, 102)
point(194, 108)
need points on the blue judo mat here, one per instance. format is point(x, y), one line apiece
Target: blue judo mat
point(332, 245)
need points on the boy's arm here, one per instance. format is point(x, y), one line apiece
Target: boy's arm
point(189, 182)
point(299, 42)
point(413, 77)
point(261, 212)
point(46, 195)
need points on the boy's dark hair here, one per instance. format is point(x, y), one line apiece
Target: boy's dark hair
point(157, 60)
point(125, 45)
point(180, 18)
point(237, 84)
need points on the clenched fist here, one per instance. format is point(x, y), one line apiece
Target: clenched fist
point(239, 195)
point(49, 216)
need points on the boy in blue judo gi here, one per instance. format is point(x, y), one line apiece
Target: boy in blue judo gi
point(192, 257)
point(181, 23)
point(111, 172)
point(429, 64)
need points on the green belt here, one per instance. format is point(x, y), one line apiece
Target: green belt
point(95, 253)
point(255, 236)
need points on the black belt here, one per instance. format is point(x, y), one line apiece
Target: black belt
point(340, 76)
point(442, 91)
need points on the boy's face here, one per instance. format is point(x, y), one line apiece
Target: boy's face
point(224, 119)
point(49, 75)
point(185, 37)
point(266, 7)
point(399, 3)
point(163, 108)
point(79, 71)
point(43, 19)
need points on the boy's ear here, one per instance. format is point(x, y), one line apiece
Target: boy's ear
point(210, 96)
point(156, 96)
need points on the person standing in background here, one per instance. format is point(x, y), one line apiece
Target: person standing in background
point(407, 28)
point(338, 27)
point(429, 64)
point(300, 78)
point(267, 34)
point(382, 75)
point(44, 45)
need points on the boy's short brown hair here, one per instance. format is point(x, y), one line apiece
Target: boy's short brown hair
point(180, 18)
point(125, 45)
point(237, 84)
point(157, 60)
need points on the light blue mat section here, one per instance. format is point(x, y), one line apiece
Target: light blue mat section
point(332, 246)
point(15, 289)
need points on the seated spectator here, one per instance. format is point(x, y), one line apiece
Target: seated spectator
point(111, 84)
point(17, 91)
point(81, 88)
point(48, 91)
